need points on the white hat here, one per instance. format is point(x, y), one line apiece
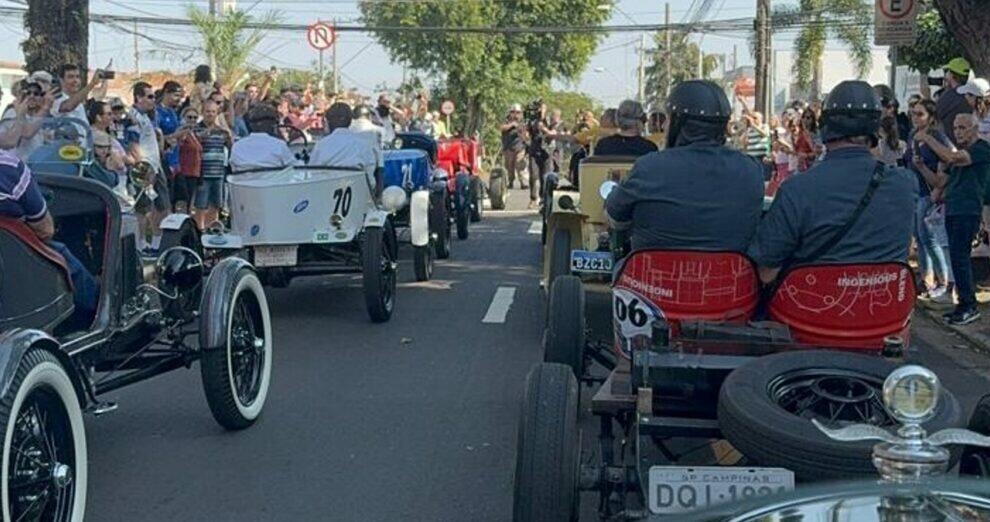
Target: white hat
point(978, 87)
point(515, 108)
point(41, 76)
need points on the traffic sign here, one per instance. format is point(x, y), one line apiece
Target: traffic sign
point(321, 36)
point(447, 107)
point(895, 22)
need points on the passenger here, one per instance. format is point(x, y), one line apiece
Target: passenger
point(629, 140)
point(261, 149)
point(20, 198)
point(697, 193)
point(847, 208)
point(345, 146)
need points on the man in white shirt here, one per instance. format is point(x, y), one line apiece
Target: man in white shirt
point(261, 149)
point(72, 101)
point(350, 143)
point(141, 142)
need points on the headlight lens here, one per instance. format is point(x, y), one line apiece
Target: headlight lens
point(393, 198)
point(911, 394)
point(606, 188)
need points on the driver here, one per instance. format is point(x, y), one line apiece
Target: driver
point(348, 145)
point(697, 193)
point(814, 216)
point(261, 149)
point(20, 198)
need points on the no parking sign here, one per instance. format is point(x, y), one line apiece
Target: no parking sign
point(321, 36)
point(895, 22)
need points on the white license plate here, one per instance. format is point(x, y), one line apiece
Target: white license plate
point(680, 489)
point(275, 255)
point(591, 262)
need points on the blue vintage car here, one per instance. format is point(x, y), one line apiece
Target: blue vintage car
point(415, 190)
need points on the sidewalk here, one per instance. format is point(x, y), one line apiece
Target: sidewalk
point(976, 334)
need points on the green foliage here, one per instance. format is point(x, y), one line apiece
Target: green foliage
point(683, 65)
point(933, 47)
point(228, 41)
point(820, 20)
point(484, 73)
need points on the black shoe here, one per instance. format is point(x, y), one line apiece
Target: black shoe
point(964, 317)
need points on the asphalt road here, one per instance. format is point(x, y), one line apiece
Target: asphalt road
point(414, 419)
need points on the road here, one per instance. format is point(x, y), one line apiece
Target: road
point(414, 419)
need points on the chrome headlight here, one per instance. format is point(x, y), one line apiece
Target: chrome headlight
point(911, 394)
point(606, 188)
point(393, 198)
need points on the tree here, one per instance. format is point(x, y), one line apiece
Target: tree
point(818, 21)
point(968, 21)
point(58, 33)
point(683, 65)
point(933, 46)
point(483, 73)
point(228, 41)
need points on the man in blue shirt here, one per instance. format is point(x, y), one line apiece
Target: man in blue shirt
point(20, 198)
point(809, 211)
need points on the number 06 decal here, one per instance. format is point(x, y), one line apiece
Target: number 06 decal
point(632, 319)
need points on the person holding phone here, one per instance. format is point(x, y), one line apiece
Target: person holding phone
point(72, 101)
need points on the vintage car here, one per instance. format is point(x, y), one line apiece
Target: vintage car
point(416, 191)
point(310, 220)
point(152, 318)
point(692, 351)
point(461, 159)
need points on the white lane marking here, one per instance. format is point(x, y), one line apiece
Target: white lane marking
point(535, 227)
point(501, 302)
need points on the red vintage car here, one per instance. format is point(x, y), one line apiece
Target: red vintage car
point(461, 159)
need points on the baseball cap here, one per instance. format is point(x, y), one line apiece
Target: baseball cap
point(629, 113)
point(41, 77)
point(978, 87)
point(958, 66)
point(515, 108)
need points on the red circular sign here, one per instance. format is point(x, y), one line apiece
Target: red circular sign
point(321, 36)
point(896, 9)
point(447, 107)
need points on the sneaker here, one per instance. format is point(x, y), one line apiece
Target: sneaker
point(941, 296)
point(963, 317)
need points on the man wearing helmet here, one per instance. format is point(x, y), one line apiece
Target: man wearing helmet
point(697, 193)
point(261, 149)
point(848, 207)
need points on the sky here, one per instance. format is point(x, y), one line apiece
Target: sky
point(610, 76)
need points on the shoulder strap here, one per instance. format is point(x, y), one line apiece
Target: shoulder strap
point(878, 174)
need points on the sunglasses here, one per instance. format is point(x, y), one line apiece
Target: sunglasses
point(33, 93)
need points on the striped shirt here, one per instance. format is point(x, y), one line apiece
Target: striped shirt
point(757, 144)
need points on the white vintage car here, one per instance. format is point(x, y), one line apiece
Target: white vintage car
point(311, 220)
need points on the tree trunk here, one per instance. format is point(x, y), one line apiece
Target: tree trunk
point(58, 34)
point(474, 118)
point(968, 21)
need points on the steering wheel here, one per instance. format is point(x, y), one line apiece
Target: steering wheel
point(291, 134)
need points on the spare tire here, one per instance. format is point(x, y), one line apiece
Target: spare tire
point(765, 409)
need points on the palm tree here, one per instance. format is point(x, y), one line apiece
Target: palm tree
point(58, 33)
point(818, 21)
point(684, 55)
point(229, 39)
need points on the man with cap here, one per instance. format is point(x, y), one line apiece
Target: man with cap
point(846, 208)
point(950, 102)
point(977, 94)
point(261, 149)
point(697, 193)
point(348, 144)
point(513, 147)
point(629, 141)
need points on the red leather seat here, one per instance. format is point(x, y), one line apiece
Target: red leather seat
point(851, 306)
point(689, 285)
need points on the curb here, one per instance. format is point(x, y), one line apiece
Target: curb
point(979, 341)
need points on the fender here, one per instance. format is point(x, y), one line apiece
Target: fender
point(375, 218)
point(215, 307)
point(174, 221)
point(17, 342)
point(419, 223)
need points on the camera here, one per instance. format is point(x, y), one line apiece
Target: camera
point(532, 111)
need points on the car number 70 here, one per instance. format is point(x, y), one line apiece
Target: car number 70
point(342, 201)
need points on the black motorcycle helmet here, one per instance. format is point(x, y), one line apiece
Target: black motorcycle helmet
point(698, 110)
point(851, 109)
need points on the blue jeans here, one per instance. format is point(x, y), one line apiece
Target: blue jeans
point(961, 231)
point(931, 255)
point(86, 293)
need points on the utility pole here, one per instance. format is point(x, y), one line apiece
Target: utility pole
point(762, 56)
point(214, 5)
point(701, 62)
point(666, 31)
point(333, 57)
point(641, 90)
point(137, 52)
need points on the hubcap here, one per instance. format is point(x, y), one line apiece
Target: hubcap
point(833, 396)
point(247, 349)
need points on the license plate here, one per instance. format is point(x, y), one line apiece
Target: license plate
point(593, 262)
point(275, 255)
point(680, 489)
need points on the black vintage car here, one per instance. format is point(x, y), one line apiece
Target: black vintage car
point(153, 317)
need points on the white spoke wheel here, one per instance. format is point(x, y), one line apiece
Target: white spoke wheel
point(44, 470)
point(236, 376)
point(378, 271)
